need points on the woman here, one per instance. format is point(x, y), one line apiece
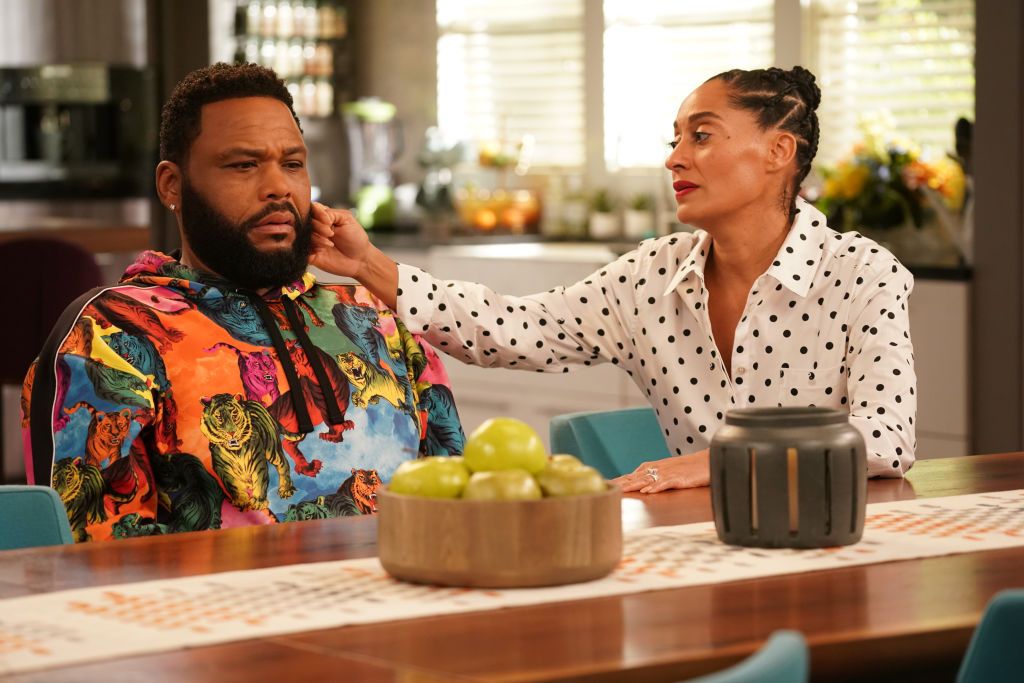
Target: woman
point(762, 306)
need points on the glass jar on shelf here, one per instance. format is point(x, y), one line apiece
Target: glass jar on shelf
point(324, 97)
point(253, 19)
point(268, 19)
point(327, 18)
point(311, 27)
point(307, 95)
point(308, 58)
point(340, 21)
point(324, 58)
point(268, 51)
point(281, 65)
point(295, 90)
point(285, 19)
point(298, 18)
point(296, 62)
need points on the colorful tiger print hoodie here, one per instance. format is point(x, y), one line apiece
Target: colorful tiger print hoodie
point(175, 401)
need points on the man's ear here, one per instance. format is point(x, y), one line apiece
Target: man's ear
point(781, 150)
point(168, 185)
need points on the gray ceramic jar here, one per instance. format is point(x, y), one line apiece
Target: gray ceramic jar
point(788, 477)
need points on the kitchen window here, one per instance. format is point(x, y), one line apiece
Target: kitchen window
point(913, 59)
point(593, 85)
point(511, 73)
point(655, 52)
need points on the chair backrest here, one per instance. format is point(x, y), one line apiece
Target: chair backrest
point(995, 654)
point(783, 659)
point(614, 441)
point(32, 516)
point(45, 275)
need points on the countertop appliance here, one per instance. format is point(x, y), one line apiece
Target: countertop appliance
point(375, 142)
point(76, 131)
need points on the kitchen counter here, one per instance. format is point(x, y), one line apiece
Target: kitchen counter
point(100, 236)
point(539, 247)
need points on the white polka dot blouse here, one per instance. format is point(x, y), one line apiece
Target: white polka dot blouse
point(825, 325)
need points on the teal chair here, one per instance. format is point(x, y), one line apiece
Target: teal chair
point(614, 442)
point(783, 659)
point(32, 516)
point(996, 652)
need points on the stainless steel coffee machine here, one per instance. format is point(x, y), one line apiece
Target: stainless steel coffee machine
point(76, 130)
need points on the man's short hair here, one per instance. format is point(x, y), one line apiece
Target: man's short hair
point(180, 118)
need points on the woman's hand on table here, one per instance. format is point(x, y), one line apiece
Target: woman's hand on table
point(678, 472)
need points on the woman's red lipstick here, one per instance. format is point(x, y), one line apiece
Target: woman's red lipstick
point(683, 188)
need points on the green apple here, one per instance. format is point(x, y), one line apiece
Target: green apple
point(502, 485)
point(504, 443)
point(432, 477)
point(560, 480)
point(564, 460)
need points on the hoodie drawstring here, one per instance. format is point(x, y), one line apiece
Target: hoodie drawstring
point(298, 398)
point(334, 415)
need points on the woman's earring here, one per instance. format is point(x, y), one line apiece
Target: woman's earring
point(173, 207)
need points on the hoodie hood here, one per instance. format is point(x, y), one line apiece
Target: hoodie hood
point(153, 268)
point(249, 318)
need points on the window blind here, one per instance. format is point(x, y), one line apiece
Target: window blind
point(911, 60)
point(508, 71)
point(656, 52)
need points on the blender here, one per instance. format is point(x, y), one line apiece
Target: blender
point(375, 141)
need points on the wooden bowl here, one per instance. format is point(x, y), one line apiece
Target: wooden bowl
point(499, 544)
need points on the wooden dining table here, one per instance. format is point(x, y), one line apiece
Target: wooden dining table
point(908, 620)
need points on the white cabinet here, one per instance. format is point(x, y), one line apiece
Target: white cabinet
point(939, 319)
point(536, 397)
point(533, 397)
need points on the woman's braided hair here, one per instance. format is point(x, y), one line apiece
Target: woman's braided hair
point(785, 99)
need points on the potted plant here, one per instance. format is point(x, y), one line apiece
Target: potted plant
point(638, 219)
point(604, 222)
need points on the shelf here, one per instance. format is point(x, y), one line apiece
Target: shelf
point(275, 39)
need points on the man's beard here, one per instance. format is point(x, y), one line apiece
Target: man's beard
point(224, 247)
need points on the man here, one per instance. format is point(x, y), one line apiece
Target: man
point(223, 386)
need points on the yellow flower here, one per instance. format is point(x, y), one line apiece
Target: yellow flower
point(948, 179)
point(830, 189)
point(853, 180)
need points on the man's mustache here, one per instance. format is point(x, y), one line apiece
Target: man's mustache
point(275, 208)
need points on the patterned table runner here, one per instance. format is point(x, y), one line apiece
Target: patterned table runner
point(75, 626)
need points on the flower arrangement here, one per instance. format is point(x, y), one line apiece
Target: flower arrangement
point(887, 181)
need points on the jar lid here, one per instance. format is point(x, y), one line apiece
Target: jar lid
point(787, 416)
